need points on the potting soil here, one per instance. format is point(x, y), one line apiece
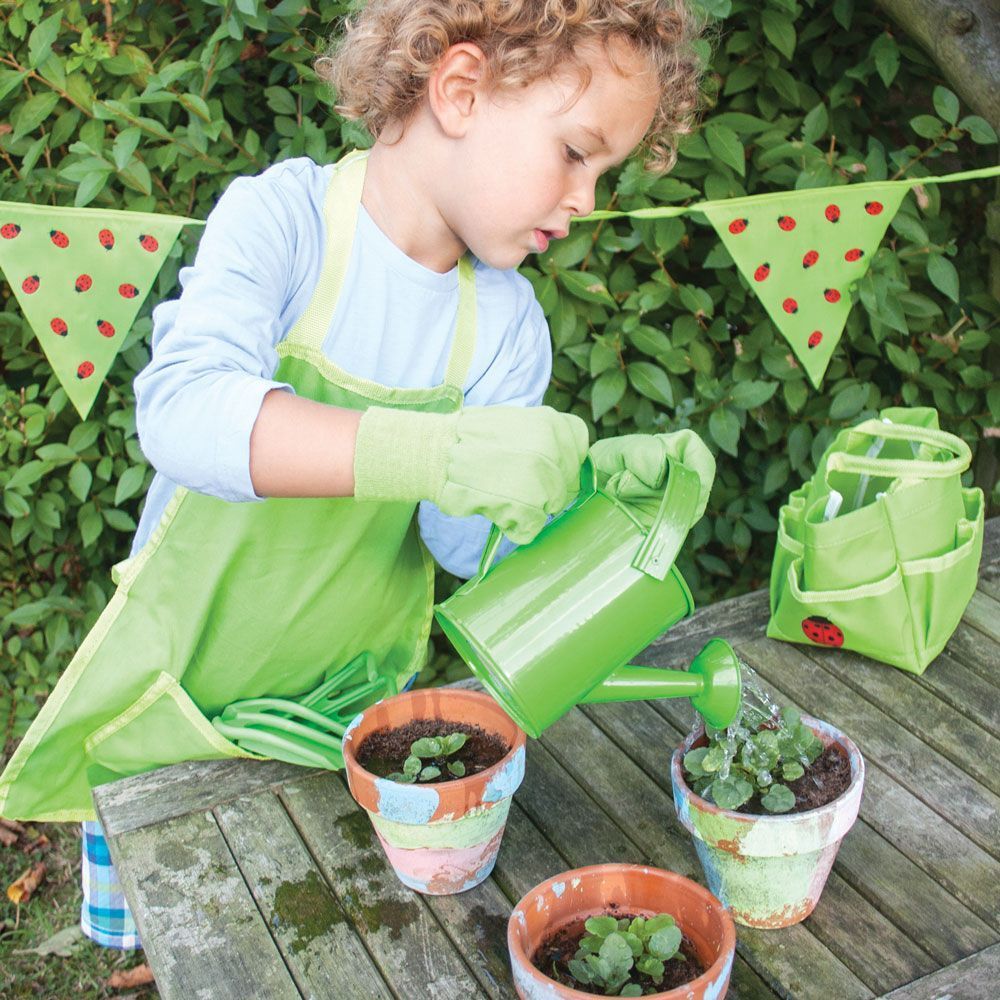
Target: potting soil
point(384, 751)
point(825, 779)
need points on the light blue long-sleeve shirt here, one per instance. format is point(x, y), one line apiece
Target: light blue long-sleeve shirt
point(214, 348)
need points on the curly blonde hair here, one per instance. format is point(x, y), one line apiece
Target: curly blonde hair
point(380, 65)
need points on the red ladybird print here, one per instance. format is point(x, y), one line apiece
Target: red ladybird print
point(60, 239)
point(831, 295)
point(9, 230)
point(59, 327)
point(832, 213)
point(856, 254)
point(30, 284)
point(762, 272)
point(106, 238)
point(810, 258)
point(814, 338)
point(83, 283)
point(822, 631)
point(104, 328)
point(786, 222)
point(149, 243)
point(85, 370)
point(873, 207)
point(128, 291)
point(790, 306)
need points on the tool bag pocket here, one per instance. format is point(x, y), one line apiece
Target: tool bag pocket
point(939, 588)
point(164, 726)
point(873, 618)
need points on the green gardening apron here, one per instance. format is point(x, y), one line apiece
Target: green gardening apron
point(227, 601)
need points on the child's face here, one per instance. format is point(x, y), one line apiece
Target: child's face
point(531, 158)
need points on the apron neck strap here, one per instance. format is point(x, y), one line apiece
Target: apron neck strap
point(340, 212)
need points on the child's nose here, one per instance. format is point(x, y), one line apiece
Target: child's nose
point(580, 197)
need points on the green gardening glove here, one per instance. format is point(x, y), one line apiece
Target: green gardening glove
point(514, 464)
point(633, 467)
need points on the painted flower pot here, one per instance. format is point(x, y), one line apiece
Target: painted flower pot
point(440, 838)
point(572, 897)
point(769, 870)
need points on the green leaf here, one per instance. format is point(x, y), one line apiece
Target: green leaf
point(815, 124)
point(118, 519)
point(732, 792)
point(429, 773)
point(750, 395)
point(454, 742)
point(457, 768)
point(927, 126)
point(631, 990)
point(15, 504)
point(979, 129)
point(29, 115)
point(607, 392)
point(580, 971)
point(943, 275)
point(41, 38)
point(428, 746)
point(652, 381)
point(90, 187)
point(280, 101)
point(586, 286)
point(600, 926)
point(412, 766)
point(724, 429)
point(725, 144)
point(27, 475)
point(779, 31)
point(792, 770)
point(694, 760)
point(129, 484)
point(906, 361)
point(886, 54)
point(946, 104)
point(779, 798)
point(665, 942)
point(849, 402)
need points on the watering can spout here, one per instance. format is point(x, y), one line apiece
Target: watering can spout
point(712, 682)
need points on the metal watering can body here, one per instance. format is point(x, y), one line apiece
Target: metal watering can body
point(552, 625)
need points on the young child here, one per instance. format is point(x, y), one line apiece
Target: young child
point(354, 344)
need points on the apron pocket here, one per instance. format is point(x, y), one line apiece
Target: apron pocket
point(162, 727)
point(873, 619)
point(940, 588)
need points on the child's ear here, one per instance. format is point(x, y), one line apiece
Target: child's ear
point(455, 86)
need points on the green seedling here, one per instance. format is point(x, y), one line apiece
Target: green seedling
point(754, 756)
point(613, 947)
point(428, 755)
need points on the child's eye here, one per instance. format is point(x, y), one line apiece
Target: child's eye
point(574, 155)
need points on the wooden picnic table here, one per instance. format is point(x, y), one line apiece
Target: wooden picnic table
point(260, 879)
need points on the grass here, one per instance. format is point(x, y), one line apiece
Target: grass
point(84, 970)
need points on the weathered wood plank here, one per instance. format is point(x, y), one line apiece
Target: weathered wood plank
point(977, 651)
point(990, 587)
point(203, 936)
point(647, 813)
point(965, 690)
point(970, 979)
point(923, 835)
point(967, 745)
point(323, 953)
point(183, 788)
point(867, 861)
point(983, 613)
point(527, 857)
point(656, 838)
point(400, 933)
point(966, 804)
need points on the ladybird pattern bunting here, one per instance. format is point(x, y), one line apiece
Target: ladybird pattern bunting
point(803, 254)
point(80, 276)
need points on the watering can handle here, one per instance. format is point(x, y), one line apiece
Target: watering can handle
point(673, 520)
point(588, 487)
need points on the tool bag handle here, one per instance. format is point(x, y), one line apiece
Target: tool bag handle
point(904, 468)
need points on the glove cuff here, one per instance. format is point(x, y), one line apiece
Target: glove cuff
point(400, 455)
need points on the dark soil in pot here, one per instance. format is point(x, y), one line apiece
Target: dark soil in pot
point(552, 957)
point(384, 751)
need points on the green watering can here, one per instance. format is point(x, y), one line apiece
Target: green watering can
point(554, 624)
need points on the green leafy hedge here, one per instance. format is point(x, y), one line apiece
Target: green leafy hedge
point(160, 107)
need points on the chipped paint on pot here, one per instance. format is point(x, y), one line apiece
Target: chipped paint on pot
point(440, 838)
point(769, 870)
point(570, 897)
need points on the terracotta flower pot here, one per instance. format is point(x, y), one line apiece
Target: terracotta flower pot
point(574, 896)
point(440, 838)
point(769, 870)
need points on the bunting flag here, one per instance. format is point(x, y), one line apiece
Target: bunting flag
point(80, 276)
point(803, 252)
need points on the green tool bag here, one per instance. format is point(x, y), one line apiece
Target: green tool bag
point(879, 551)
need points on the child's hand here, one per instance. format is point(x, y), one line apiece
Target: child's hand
point(637, 463)
point(516, 465)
